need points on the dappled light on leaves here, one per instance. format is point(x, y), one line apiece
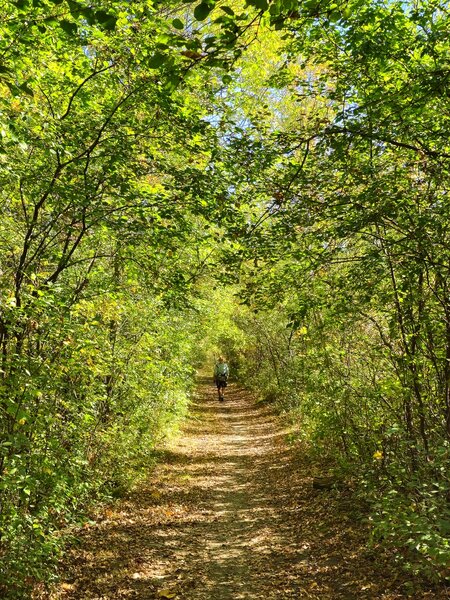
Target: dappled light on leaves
point(265, 180)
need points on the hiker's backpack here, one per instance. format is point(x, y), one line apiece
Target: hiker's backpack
point(222, 370)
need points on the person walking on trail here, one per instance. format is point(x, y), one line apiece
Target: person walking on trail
point(221, 372)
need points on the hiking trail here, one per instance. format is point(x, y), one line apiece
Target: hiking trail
point(230, 513)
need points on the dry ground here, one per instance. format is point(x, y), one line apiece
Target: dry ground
point(230, 513)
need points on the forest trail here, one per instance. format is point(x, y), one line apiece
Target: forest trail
point(230, 513)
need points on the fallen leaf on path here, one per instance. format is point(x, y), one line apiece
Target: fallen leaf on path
point(67, 586)
point(166, 594)
point(246, 517)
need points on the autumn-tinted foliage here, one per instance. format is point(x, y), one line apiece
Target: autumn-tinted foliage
point(299, 150)
point(351, 247)
point(102, 163)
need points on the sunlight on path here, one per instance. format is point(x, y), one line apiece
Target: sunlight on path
point(222, 459)
point(245, 527)
point(228, 514)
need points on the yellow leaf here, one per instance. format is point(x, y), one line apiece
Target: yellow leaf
point(166, 593)
point(67, 586)
point(378, 455)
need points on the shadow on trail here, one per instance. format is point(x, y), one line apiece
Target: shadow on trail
point(228, 515)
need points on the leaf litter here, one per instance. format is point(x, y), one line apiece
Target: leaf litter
point(231, 513)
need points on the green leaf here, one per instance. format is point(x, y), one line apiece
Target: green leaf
point(178, 24)
point(106, 20)
point(201, 11)
point(89, 14)
point(228, 10)
point(21, 3)
point(172, 83)
point(157, 60)
point(275, 8)
point(24, 87)
point(69, 27)
point(210, 41)
point(75, 7)
point(111, 24)
point(261, 4)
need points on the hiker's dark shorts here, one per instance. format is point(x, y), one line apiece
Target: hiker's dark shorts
point(221, 382)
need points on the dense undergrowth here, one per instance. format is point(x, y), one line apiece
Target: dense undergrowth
point(345, 398)
point(152, 154)
point(83, 418)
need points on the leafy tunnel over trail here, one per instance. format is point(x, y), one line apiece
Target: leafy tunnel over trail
point(264, 179)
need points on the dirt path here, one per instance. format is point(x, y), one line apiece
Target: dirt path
point(230, 513)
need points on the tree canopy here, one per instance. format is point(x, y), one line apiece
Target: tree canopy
point(269, 179)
